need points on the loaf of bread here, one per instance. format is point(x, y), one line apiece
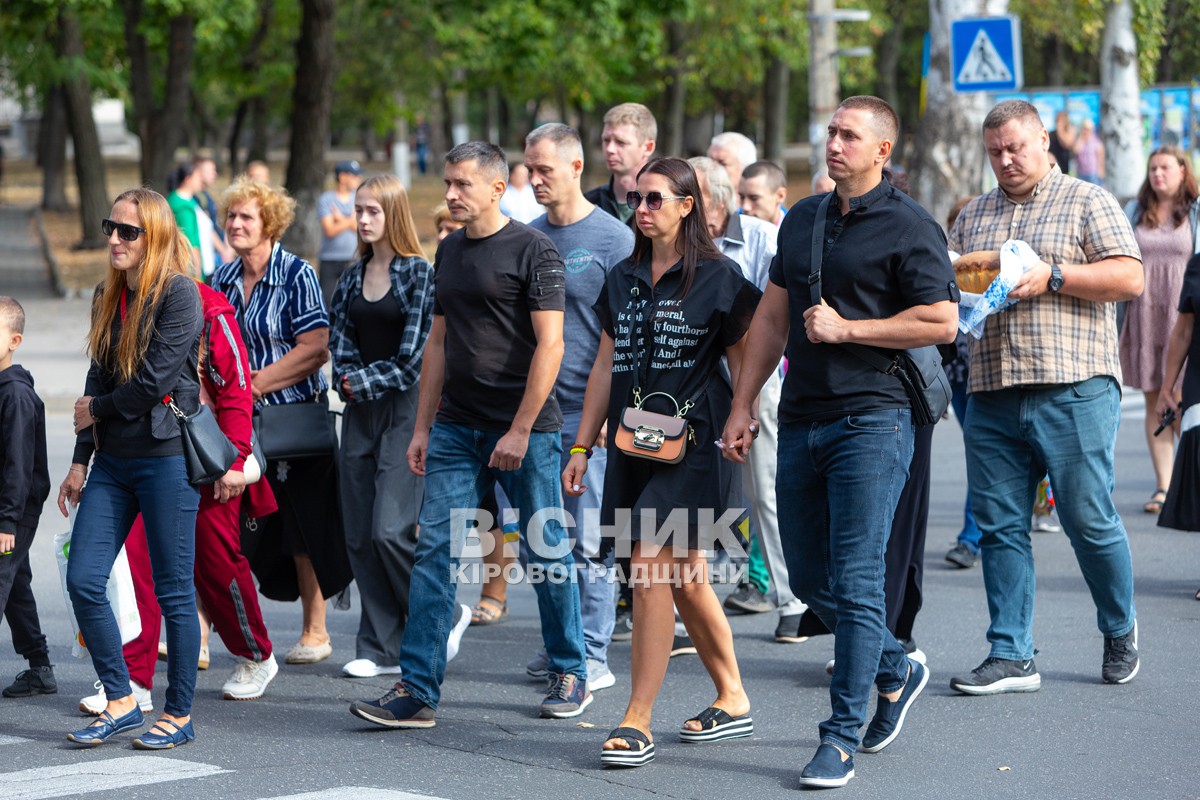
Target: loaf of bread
point(975, 271)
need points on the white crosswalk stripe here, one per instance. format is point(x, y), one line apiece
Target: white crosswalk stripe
point(77, 780)
point(357, 793)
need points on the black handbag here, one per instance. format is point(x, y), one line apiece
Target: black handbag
point(206, 449)
point(919, 369)
point(295, 430)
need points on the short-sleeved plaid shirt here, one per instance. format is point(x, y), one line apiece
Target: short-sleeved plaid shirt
point(1051, 338)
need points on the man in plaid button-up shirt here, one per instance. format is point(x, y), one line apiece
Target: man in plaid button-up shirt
point(1045, 396)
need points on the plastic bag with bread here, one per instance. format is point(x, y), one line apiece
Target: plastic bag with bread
point(974, 272)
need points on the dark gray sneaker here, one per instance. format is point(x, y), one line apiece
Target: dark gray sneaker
point(623, 625)
point(35, 680)
point(962, 556)
point(1121, 660)
point(748, 600)
point(396, 709)
point(568, 697)
point(998, 676)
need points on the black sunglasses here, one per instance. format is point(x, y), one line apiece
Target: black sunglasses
point(128, 233)
point(654, 200)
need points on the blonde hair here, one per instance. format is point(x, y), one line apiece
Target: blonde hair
point(167, 253)
point(276, 208)
point(635, 114)
point(399, 227)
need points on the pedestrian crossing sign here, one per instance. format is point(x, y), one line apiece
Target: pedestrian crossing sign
point(985, 54)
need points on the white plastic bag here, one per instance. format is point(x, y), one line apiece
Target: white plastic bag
point(120, 592)
point(1016, 257)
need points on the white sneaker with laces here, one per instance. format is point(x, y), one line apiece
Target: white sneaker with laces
point(456, 632)
point(366, 668)
point(94, 704)
point(250, 678)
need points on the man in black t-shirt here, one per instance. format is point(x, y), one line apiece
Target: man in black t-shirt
point(628, 142)
point(845, 429)
point(487, 412)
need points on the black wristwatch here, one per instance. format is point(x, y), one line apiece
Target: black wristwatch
point(1056, 278)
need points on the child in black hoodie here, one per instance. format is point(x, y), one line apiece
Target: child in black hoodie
point(24, 486)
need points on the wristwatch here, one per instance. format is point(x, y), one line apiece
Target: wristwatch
point(1056, 278)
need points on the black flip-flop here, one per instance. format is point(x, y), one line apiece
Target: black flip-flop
point(716, 726)
point(639, 754)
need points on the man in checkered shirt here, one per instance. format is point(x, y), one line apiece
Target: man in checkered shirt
point(1045, 396)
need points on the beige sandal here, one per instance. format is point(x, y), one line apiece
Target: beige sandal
point(309, 654)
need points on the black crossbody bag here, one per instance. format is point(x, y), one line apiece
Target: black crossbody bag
point(919, 369)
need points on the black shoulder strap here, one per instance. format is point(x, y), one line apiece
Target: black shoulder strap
point(816, 257)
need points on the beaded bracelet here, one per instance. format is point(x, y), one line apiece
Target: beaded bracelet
point(578, 448)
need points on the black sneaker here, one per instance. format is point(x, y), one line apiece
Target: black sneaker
point(999, 675)
point(396, 709)
point(1121, 660)
point(35, 680)
point(788, 629)
point(682, 646)
point(962, 556)
point(749, 600)
point(623, 626)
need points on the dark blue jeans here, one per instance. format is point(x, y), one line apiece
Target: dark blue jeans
point(456, 478)
point(838, 482)
point(117, 490)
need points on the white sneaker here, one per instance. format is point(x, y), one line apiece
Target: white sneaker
point(829, 665)
point(918, 656)
point(366, 668)
point(599, 675)
point(250, 678)
point(96, 703)
point(1044, 523)
point(456, 633)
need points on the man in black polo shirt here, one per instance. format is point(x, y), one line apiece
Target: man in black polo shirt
point(845, 429)
point(487, 411)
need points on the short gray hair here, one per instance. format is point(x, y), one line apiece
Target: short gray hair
point(745, 149)
point(488, 157)
point(565, 138)
point(719, 184)
point(1007, 111)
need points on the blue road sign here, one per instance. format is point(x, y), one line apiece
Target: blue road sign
point(985, 54)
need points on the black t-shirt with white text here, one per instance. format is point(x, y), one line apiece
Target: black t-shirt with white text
point(886, 255)
point(486, 290)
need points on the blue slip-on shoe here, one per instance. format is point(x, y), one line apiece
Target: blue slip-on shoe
point(100, 731)
point(889, 716)
point(157, 737)
point(396, 709)
point(827, 770)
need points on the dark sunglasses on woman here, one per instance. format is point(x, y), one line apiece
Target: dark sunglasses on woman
point(127, 233)
point(654, 200)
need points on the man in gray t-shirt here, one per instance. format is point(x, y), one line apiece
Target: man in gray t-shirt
point(339, 230)
point(591, 243)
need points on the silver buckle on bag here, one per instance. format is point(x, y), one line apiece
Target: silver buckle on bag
point(647, 438)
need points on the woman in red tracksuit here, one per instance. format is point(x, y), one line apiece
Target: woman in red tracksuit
point(223, 578)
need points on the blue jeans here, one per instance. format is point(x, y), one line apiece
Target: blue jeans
point(845, 477)
point(1014, 437)
point(456, 478)
point(117, 489)
point(970, 533)
point(597, 589)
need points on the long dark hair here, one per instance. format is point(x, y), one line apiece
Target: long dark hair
point(693, 241)
point(1148, 199)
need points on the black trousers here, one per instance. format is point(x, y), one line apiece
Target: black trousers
point(905, 555)
point(16, 598)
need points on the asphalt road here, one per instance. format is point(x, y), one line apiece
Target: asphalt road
point(1076, 738)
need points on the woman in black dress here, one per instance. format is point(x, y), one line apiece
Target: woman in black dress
point(669, 312)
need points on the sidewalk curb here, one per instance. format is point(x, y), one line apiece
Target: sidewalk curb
point(51, 262)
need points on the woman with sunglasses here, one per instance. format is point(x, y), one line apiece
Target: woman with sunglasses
point(669, 313)
point(144, 343)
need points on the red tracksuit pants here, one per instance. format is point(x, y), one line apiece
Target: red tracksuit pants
point(223, 582)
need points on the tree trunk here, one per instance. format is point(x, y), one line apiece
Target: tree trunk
point(161, 128)
point(823, 92)
point(670, 135)
point(1120, 107)
point(947, 159)
point(52, 149)
point(775, 101)
point(260, 135)
point(311, 103)
point(1054, 55)
point(89, 163)
point(460, 129)
point(235, 137)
